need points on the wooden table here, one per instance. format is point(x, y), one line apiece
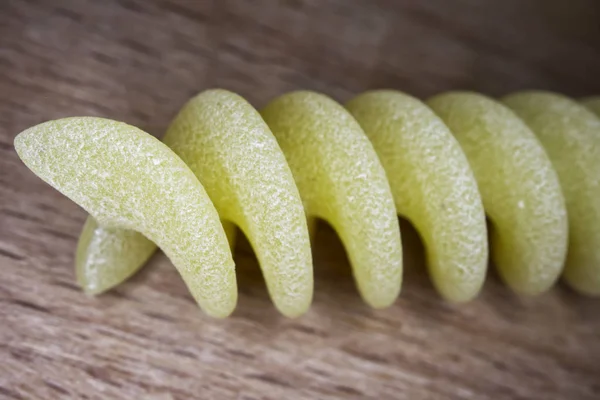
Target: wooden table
point(138, 61)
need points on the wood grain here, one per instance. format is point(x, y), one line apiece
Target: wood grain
point(139, 61)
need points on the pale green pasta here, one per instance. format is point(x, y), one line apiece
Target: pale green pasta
point(341, 180)
point(592, 103)
point(230, 149)
point(127, 179)
point(570, 133)
point(531, 164)
point(520, 190)
point(432, 185)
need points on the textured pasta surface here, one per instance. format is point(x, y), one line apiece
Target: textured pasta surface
point(342, 181)
point(230, 149)
point(530, 162)
point(126, 178)
point(570, 133)
point(432, 185)
point(520, 190)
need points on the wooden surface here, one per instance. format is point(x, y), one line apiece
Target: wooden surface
point(139, 61)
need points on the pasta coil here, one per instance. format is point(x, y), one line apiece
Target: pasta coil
point(530, 163)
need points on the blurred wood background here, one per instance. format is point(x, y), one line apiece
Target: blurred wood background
point(138, 61)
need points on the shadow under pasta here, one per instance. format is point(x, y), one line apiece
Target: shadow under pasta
point(252, 289)
point(334, 282)
point(415, 280)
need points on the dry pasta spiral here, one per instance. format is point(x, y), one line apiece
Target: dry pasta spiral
point(530, 163)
